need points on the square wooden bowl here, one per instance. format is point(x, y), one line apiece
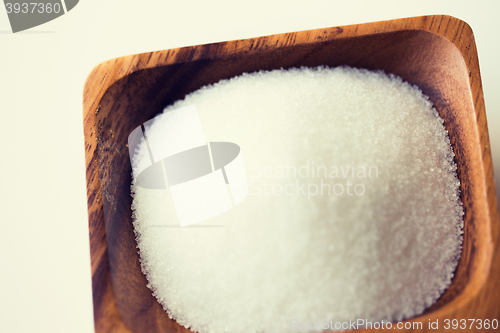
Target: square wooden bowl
point(437, 53)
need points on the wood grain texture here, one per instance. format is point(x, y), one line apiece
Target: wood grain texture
point(437, 53)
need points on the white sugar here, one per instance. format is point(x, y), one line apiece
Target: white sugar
point(279, 259)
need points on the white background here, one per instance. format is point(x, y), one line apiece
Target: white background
point(45, 283)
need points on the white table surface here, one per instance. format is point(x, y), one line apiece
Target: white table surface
point(45, 283)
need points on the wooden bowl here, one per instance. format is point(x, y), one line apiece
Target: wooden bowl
point(437, 53)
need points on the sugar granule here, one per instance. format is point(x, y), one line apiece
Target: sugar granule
point(279, 259)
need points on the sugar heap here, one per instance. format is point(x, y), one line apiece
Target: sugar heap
point(291, 252)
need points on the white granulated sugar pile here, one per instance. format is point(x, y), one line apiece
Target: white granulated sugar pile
point(298, 250)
